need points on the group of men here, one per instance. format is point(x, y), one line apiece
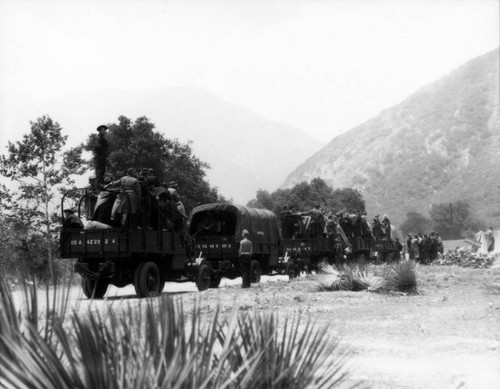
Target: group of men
point(139, 199)
point(424, 248)
point(353, 225)
point(136, 200)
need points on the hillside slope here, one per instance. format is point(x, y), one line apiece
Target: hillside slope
point(439, 145)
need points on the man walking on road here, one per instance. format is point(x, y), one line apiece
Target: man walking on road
point(245, 259)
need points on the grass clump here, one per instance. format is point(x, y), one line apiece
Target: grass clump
point(402, 277)
point(158, 345)
point(396, 277)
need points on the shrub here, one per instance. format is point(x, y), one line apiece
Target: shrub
point(400, 277)
point(156, 344)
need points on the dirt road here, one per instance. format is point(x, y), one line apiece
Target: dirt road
point(448, 336)
point(445, 337)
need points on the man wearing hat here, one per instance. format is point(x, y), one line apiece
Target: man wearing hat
point(101, 151)
point(172, 188)
point(377, 228)
point(386, 225)
point(245, 259)
point(153, 183)
point(317, 221)
point(71, 220)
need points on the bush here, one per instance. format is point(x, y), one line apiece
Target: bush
point(398, 277)
point(401, 277)
point(157, 345)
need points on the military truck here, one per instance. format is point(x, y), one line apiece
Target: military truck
point(217, 230)
point(109, 254)
point(304, 250)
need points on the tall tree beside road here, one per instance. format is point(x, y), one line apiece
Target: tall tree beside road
point(39, 164)
point(137, 144)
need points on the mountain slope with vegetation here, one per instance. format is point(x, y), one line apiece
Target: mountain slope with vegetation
point(439, 145)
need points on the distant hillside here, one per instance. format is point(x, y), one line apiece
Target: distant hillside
point(439, 145)
point(246, 152)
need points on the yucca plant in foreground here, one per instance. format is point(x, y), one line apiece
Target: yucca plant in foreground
point(158, 345)
point(399, 277)
point(402, 277)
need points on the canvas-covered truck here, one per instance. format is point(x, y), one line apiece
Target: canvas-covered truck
point(217, 230)
point(304, 249)
point(108, 254)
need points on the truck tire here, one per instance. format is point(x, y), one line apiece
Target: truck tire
point(147, 280)
point(256, 272)
point(215, 279)
point(203, 278)
point(94, 288)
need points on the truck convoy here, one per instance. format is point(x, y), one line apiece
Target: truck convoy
point(202, 249)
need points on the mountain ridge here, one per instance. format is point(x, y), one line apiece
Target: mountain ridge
point(427, 149)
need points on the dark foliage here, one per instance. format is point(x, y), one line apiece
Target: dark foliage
point(415, 222)
point(137, 144)
point(306, 195)
point(454, 220)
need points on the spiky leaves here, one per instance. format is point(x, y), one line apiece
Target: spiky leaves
point(157, 344)
point(397, 277)
point(402, 277)
point(293, 354)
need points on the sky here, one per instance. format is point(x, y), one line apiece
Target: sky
point(322, 66)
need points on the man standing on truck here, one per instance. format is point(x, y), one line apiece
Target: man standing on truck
point(101, 152)
point(317, 221)
point(128, 203)
point(245, 259)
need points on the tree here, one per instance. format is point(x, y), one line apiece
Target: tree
point(38, 164)
point(137, 144)
point(349, 199)
point(305, 195)
point(415, 222)
point(263, 199)
point(454, 220)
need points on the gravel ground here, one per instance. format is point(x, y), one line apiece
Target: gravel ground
point(445, 337)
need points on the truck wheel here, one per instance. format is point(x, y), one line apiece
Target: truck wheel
point(94, 288)
point(203, 278)
point(147, 280)
point(215, 280)
point(256, 272)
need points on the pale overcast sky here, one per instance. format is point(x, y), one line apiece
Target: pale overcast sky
point(323, 66)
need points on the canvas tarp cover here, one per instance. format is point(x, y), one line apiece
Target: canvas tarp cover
point(261, 224)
